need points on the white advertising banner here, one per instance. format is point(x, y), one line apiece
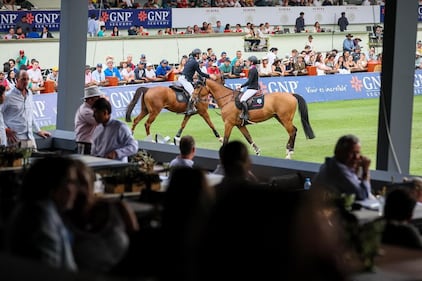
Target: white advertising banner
point(284, 16)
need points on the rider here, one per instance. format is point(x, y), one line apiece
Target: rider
point(253, 87)
point(186, 79)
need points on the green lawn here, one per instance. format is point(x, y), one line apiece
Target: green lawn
point(329, 120)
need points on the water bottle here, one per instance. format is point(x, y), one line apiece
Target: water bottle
point(307, 185)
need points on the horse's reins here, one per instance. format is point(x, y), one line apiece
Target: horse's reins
point(219, 98)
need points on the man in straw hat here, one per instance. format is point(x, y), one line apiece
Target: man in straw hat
point(84, 120)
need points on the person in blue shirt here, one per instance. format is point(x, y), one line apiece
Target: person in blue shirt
point(349, 44)
point(163, 70)
point(111, 70)
point(112, 138)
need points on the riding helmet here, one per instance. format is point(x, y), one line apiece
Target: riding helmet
point(253, 59)
point(196, 52)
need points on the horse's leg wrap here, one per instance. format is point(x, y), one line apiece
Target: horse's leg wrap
point(256, 148)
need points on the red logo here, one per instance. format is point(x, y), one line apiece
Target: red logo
point(356, 84)
point(29, 18)
point(104, 17)
point(142, 16)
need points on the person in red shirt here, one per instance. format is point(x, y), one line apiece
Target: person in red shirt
point(213, 69)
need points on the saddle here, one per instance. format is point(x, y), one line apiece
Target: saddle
point(181, 94)
point(254, 102)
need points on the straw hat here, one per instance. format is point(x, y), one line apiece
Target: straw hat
point(92, 91)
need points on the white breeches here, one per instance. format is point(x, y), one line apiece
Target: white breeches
point(248, 93)
point(186, 84)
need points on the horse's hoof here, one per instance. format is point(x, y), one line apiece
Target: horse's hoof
point(220, 139)
point(289, 154)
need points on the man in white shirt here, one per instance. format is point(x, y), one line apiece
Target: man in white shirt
point(150, 73)
point(35, 76)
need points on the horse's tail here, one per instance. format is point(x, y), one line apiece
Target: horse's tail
point(139, 92)
point(303, 109)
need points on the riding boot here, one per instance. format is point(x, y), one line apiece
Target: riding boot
point(191, 107)
point(245, 115)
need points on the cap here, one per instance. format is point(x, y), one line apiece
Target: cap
point(358, 39)
point(92, 91)
point(214, 64)
point(143, 56)
point(227, 59)
point(21, 52)
point(164, 61)
point(285, 60)
point(149, 64)
point(55, 68)
point(99, 65)
point(223, 53)
point(264, 58)
point(349, 35)
point(273, 49)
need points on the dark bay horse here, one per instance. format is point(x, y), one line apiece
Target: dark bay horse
point(281, 106)
point(154, 99)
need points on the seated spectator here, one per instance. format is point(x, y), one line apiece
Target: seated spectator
point(45, 33)
point(398, 212)
point(288, 66)
point(277, 68)
point(88, 77)
point(19, 33)
point(111, 70)
point(140, 72)
point(238, 28)
point(163, 70)
point(237, 69)
point(101, 228)
point(150, 73)
point(351, 64)
point(347, 171)
point(187, 205)
point(115, 31)
point(11, 34)
point(3, 81)
point(112, 138)
point(300, 66)
point(341, 67)
point(98, 75)
point(128, 74)
point(362, 62)
point(36, 230)
point(33, 34)
point(236, 164)
point(187, 153)
point(213, 69)
point(35, 76)
point(54, 76)
point(264, 68)
point(101, 32)
point(225, 68)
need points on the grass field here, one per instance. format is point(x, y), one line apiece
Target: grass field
point(329, 120)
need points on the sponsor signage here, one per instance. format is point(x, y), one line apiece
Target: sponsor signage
point(123, 18)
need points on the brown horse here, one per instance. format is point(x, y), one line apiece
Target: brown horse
point(154, 99)
point(281, 106)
